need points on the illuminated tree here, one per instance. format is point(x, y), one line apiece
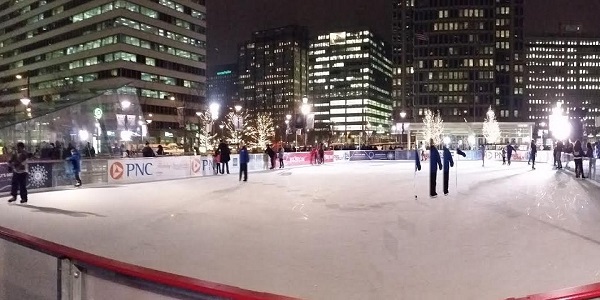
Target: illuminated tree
point(237, 126)
point(206, 137)
point(262, 130)
point(491, 128)
point(434, 127)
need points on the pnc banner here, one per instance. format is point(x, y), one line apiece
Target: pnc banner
point(132, 170)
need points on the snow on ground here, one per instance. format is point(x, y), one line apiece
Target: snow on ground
point(342, 231)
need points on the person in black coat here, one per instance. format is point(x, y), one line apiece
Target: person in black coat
point(435, 162)
point(225, 156)
point(509, 152)
point(448, 163)
point(532, 154)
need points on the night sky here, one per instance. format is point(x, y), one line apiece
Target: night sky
point(231, 22)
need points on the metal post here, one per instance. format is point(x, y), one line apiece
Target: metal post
point(70, 281)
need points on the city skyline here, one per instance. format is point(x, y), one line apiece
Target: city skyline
point(236, 21)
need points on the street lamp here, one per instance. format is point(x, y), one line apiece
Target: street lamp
point(222, 126)
point(238, 108)
point(305, 109)
point(25, 101)
point(287, 126)
point(214, 110)
point(559, 123)
point(125, 104)
point(402, 116)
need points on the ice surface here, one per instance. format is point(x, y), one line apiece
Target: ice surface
point(342, 231)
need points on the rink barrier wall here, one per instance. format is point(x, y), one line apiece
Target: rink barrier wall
point(51, 174)
point(586, 292)
point(82, 275)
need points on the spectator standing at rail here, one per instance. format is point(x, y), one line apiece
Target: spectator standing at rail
point(280, 154)
point(509, 151)
point(244, 160)
point(532, 154)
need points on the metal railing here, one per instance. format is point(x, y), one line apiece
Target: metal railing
point(33, 268)
point(586, 292)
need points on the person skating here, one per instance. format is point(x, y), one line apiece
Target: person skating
point(578, 158)
point(503, 155)
point(280, 154)
point(509, 151)
point(448, 163)
point(559, 149)
point(75, 160)
point(435, 162)
point(217, 162)
point(18, 164)
point(321, 153)
point(244, 160)
point(532, 154)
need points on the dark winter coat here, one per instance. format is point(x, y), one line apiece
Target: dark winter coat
point(533, 148)
point(509, 150)
point(417, 161)
point(448, 161)
point(225, 153)
point(434, 159)
point(148, 152)
point(75, 160)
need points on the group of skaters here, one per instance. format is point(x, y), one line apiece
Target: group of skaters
point(435, 163)
point(591, 151)
point(18, 166)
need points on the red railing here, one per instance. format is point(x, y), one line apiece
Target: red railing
point(586, 292)
point(134, 271)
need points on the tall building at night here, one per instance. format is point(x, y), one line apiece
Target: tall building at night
point(273, 71)
point(223, 85)
point(467, 56)
point(153, 49)
point(350, 81)
point(402, 55)
point(564, 69)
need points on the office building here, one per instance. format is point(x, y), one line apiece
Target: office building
point(350, 83)
point(273, 71)
point(564, 68)
point(468, 55)
point(153, 49)
point(223, 85)
point(402, 55)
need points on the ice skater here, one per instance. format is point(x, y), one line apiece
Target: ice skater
point(558, 153)
point(448, 163)
point(280, 154)
point(532, 154)
point(75, 160)
point(503, 155)
point(244, 160)
point(578, 158)
point(509, 151)
point(435, 162)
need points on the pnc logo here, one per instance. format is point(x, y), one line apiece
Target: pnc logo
point(196, 166)
point(116, 171)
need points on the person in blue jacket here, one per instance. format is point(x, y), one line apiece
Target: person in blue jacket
point(75, 160)
point(244, 160)
point(435, 162)
point(509, 151)
point(448, 163)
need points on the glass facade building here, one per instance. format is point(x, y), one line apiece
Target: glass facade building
point(350, 83)
point(223, 85)
point(152, 49)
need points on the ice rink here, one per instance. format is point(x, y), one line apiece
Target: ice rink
point(342, 231)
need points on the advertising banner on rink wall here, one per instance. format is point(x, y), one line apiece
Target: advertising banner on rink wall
point(357, 155)
point(132, 170)
point(207, 166)
point(519, 155)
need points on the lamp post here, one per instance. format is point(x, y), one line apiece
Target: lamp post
point(214, 114)
point(238, 127)
point(402, 116)
point(222, 126)
point(559, 123)
point(305, 109)
point(287, 126)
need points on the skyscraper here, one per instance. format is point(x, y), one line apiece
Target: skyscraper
point(402, 55)
point(564, 68)
point(153, 49)
point(223, 85)
point(350, 81)
point(468, 55)
point(273, 71)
